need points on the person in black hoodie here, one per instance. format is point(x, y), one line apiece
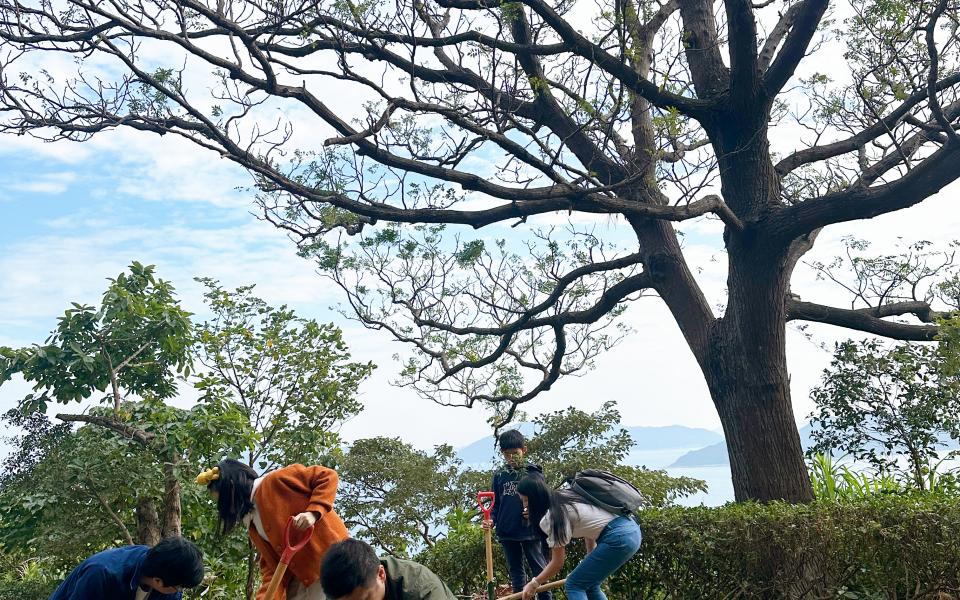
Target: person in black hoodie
point(518, 537)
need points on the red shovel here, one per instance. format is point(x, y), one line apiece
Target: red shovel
point(287, 556)
point(486, 500)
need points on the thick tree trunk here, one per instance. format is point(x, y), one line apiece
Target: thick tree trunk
point(766, 458)
point(148, 522)
point(748, 378)
point(171, 497)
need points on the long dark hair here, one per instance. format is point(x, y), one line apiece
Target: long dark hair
point(541, 499)
point(234, 486)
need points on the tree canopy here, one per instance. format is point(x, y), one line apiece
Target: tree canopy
point(408, 124)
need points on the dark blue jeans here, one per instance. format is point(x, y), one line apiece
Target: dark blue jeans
point(617, 544)
point(534, 551)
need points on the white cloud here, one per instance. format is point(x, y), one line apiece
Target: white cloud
point(47, 183)
point(69, 153)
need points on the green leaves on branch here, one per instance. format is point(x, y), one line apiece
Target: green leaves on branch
point(134, 342)
point(879, 402)
point(290, 377)
point(396, 496)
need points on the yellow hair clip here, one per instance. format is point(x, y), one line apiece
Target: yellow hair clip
point(207, 476)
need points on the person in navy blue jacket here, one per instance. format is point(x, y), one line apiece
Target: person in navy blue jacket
point(518, 537)
point(135, 573)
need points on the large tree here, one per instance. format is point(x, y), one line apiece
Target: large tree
point(473, 113)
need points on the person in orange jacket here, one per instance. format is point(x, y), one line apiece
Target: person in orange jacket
point(265, 503)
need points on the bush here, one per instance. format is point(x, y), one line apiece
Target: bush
point(886, 547)
point(26, 590)
point(880, 548)
point(460, 560)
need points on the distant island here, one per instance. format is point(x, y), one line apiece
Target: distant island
point(716, 454)
point(705, 448)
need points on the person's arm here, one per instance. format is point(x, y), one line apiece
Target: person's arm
point(590, 543)
point(557, 555)
point(320, 485)
point(323, 489)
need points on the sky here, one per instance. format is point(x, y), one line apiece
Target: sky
point(72, 215)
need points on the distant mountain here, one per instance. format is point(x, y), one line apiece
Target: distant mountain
point(482, 451)
point(709, 456)
point(716, 454)
point(672, 436)
point(645, 438)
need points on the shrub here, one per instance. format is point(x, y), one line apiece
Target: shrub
point(886, 547)
point(460, 560)
point(26, 590)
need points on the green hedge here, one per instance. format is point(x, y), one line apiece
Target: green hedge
point(25, 590)
point(885, 548)
point(881, 548)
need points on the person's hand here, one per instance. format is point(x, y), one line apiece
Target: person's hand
point(487, 524)
point(304, 520)
point(530, 590)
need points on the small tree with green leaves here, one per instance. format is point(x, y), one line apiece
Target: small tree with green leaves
point(66, 494)
point(879, 403)
point(397, 497)
point(292, 377)
point(134, 344)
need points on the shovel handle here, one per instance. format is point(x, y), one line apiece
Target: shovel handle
point(543, 588)
point(486, 501)
point(275, 582)
point(488, 542)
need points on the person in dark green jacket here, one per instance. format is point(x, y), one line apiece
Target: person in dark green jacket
point(352, 571)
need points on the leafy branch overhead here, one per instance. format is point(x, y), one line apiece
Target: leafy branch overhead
point(573, 136)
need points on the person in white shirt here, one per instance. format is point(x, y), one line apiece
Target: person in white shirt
point(563, 515)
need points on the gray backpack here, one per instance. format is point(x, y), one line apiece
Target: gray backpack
point(607, 491)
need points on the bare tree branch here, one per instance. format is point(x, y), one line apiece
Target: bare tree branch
point(933, 76)
point(110, 512)
point(850, 144)
point(923, 181)
point(805, 24)
point(869, 320)
point(144, 438)
point(780, 30)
